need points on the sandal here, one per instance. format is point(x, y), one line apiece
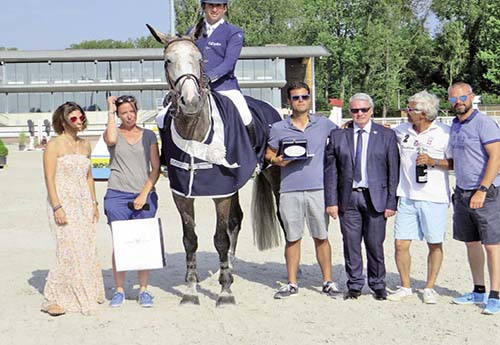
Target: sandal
point(54, 310)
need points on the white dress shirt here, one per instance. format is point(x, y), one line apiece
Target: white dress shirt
point(366, 137)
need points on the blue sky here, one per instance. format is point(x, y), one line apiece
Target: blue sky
point(56, 24)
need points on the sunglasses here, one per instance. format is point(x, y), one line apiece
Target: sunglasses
point(455, 99)
point(82, 118)
point(412, 110)
point(359, 110)
point(125, 99)
point(301, 97)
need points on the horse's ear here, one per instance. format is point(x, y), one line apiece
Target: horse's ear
point(158, 35)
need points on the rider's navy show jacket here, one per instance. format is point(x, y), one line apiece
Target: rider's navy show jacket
point(220, 53)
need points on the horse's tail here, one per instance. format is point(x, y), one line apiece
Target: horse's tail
point(266, 232)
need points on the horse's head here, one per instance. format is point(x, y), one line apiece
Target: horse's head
point(183, 71)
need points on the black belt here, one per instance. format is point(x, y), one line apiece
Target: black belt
point(471, 190)
point(360, 189)
point(465, 190)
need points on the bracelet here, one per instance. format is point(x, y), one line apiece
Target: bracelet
point(111, 113)
point(55, 208)
point(95, 202)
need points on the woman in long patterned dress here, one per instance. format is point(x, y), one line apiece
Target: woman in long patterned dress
point(75, 284)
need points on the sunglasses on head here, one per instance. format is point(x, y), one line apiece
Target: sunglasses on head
point(359, 110)
point(125, 99)
point(82, 118)
point(410, 110)
point(455, 99)
point(301, 97)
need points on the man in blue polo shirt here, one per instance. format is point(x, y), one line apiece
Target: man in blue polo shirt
point(220, 44)
point(475, 143)
point(301, 189)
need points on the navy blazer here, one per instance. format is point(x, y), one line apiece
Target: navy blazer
point(220, 53)
point(382, 168)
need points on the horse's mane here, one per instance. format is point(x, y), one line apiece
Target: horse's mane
point(198, 28)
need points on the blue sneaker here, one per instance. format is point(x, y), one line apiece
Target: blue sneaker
point(492, 307)
point(145, 299)
point(470, 298)
point(117, 299)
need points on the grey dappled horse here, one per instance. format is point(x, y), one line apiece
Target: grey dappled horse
point(191, 120)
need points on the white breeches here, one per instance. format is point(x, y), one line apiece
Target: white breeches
point(241, 104)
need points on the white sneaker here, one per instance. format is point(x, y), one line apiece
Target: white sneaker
point(400, 294)
point(430, 296)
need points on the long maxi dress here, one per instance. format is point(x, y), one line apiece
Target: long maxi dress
point(75, 283)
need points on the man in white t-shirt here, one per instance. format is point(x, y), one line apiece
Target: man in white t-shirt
point(423, 207)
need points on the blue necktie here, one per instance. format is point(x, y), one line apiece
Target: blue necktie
point(357, 159)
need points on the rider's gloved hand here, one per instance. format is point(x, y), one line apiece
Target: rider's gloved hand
point(206, 80)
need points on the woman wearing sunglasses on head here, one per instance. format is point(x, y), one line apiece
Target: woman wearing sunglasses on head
point(75, 283)
point(135, 168)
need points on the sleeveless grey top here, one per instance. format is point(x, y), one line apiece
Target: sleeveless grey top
point(130, 165)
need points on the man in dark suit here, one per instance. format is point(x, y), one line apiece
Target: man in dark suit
point(360, 181)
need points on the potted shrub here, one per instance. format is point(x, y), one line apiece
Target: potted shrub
point(4, 152)
point(22, 141)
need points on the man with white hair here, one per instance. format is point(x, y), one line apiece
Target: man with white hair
point(422, 207)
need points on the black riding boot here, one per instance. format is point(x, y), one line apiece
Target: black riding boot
point(251, 133)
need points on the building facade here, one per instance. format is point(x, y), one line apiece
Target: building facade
point(39, 81)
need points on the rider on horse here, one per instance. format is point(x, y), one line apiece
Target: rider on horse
point(220, 44)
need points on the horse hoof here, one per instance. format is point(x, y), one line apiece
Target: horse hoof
point(225, 300)
point(190, 299)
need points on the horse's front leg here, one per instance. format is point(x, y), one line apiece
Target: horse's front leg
point(234, 227)
point(222, 243)
point(185, 206)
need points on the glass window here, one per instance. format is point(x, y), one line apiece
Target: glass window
point(158, 96)
point(67, 72)
point(101, 99)
point(130, 71)
point(259, 67)
point(62, 72)
point(57, 99)
point(3, 103)
point(159, 70)
point(46, 102)
point(115, 71)
point(152, 71)
point(247, 72)
point(84, 72)
point(280, 69)
point(104, 71)
point(39, 73)
point(34, 102)
point(16, 73)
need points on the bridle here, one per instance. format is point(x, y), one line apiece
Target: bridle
point(174, 95)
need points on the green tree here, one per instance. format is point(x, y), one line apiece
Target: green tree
point(453, 50)
point(267, 21)
point(103, 44)
point(187, 14)
point(489, 53)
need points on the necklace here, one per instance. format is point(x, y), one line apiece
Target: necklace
point(72, 143)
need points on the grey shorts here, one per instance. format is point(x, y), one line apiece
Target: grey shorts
point(482, 224)
point(305, 206)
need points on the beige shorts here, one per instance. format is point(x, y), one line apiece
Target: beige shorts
point(304, 206)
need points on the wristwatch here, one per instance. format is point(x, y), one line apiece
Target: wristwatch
point(483, 188)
